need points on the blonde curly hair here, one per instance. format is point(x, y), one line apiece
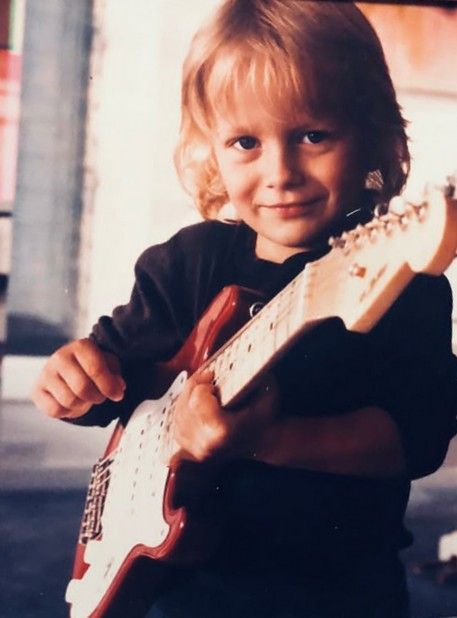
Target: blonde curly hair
point(321, 56)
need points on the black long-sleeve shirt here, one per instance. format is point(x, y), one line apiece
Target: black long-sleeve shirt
point(404, 366)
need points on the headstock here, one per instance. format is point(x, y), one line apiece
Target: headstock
point(369, 266)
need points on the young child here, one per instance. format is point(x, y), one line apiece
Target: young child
point(287, 108)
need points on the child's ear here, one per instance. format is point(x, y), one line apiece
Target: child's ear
point(374, 180)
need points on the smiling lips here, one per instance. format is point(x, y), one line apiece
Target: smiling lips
point(292, 209)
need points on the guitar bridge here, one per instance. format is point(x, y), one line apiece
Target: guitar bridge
point(91, 525)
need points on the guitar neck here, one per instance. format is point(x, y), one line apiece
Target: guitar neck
point(357, 281)
point(253, 349)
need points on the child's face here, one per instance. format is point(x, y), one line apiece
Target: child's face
point(291, 179)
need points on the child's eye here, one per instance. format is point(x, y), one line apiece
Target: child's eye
point(312, 137)
point(245, 142)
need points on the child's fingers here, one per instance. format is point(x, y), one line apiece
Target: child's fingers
point(201, 377)
point(202, 396)
point(77, 376)
point(65, 379)
point(199, 383)
point(95, 365)
point(192, 387)
point(80, 384)
point(56, 398)
point(62, 393)
point(115, 367)
point(199, 426)
point(197, 394)
point(46, 402)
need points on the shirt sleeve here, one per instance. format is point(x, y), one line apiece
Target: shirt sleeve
point(174, 282)
point(416, 373)
point(149, 328)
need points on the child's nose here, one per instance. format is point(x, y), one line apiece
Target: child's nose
point(283, 168)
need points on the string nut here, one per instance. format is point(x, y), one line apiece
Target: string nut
point(388, 226)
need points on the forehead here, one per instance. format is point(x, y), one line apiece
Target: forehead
point(240, 85)
point(251, 117)
point(236, 71)
point(256, 110)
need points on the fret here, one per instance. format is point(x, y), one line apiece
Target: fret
point(217, 364)
point(298, 293)
point(283, 323)
point(301, 297)
point(225, 358)
point(281, 332)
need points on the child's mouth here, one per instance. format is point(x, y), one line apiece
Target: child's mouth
point(293, 209)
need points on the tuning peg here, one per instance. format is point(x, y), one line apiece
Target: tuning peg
point(389, 224)
point(419, 210)
point(373, 229)
point(336, 242)
point(446, 183)
point(397, 206)
point(397, 217)
point(359, 234)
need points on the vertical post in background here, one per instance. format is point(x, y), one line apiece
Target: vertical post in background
point(11, 31)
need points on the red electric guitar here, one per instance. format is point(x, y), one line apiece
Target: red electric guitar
point(133, 529)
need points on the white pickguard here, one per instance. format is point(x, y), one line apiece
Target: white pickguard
point(133, 511)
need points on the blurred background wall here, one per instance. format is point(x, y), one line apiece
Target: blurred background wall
point(11, 34)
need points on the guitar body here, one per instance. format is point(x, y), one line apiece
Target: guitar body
point(135, 526)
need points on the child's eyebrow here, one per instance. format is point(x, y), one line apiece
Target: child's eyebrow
point(228, 131)
point(225, 129)
point(234, 127)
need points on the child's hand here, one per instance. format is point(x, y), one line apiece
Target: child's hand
point(204, 429)
point(77, 376)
